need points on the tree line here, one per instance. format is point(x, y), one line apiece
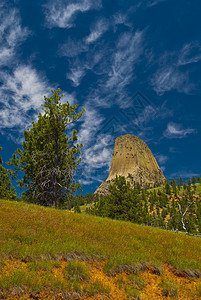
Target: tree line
point(175, 206)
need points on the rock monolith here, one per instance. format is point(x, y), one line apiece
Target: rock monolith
point(132, 158)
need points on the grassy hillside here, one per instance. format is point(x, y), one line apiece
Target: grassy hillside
point(197, 188)
point(52, 254)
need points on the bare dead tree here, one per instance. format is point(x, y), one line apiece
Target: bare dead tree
point(184, 213)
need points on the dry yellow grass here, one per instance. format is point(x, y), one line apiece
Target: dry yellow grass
point(51, 254)
point(186, 287)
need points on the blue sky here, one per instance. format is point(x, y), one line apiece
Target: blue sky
point(134, 65)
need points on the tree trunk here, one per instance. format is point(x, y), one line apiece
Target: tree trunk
point(56, 162)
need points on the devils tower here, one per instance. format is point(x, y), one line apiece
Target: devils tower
point(131, 155)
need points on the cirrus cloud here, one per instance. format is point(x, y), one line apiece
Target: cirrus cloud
point(12, 34)
point(61, 14)
point(175, 130)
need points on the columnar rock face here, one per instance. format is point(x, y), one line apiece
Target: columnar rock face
point(132, 156)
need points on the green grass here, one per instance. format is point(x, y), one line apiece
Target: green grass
point(169, 288)
point(197, 191)
point(76, 271)
point(97, 287)
point(84, 207)
point(47, 234)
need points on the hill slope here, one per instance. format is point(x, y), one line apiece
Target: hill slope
point(51, 254)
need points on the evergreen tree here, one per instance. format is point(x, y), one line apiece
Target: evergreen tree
point(122, 203)
point(193, 180)
point(152, 201)
point(199, 179)
point(167, 187)
point(159, 192)
point(48, 157)
point(7, 191)
point(180, 181)
point(164, 213)
point(173, 221)
point(174, 187)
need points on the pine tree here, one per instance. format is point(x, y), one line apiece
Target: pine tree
point(48, 157)
point(180, 181)
point(122, 203)
point(174, 187)
point(193, 180)
point(167, 187)
point(7, 191)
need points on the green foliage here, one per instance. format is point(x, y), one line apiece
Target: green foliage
point(167, 187)
point(193, 180)
point(174, 186)
point(122, 203)
point(170, 207)
point(48, 156)
point(77, 209)
point(7, 191)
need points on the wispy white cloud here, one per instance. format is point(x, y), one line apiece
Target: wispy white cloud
point(96, 159)
point(79, 67)
point(91, 123)
point(154, 2)
point(162, 159)
point(72, 48)
point(101, 59)
point(98, 156)
point(175, 130)
point(146, 3)
point(116, 69)
point(170, 78)
point(186, 174)
point(97, 151)
point(76, 74)
point(61, 13)
point(86, 181)
point(12, 34)
point(148, 113)
point(21, 95)
point(120, 18)
point(145, 116)
point(97, 30)
point(170, 75)
point(190, 53)
point(122, 65)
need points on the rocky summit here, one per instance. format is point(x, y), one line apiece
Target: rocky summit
point(133, 159)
